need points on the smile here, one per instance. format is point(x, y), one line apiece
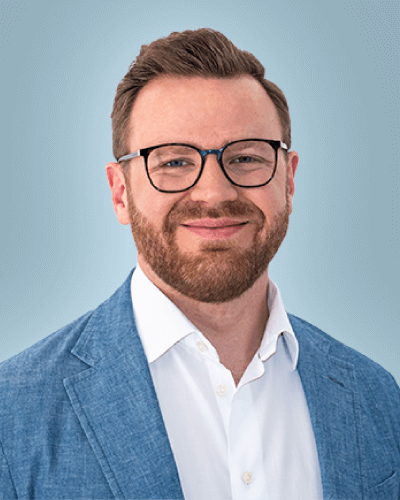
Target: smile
point(215, 228)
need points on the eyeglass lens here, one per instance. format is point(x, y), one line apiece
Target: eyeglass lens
point(246, 163)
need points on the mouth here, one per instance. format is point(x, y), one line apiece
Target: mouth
point(215, 228)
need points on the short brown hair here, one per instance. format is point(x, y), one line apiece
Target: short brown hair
point(203, 52)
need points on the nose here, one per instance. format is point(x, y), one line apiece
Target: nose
point(213, 187)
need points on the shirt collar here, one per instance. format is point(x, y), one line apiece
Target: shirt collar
point(278, 324)
point(161, 324)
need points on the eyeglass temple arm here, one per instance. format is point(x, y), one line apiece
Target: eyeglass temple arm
point(129, 157)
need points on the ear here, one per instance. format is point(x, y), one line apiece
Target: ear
point(293, 161)
point(116, 181)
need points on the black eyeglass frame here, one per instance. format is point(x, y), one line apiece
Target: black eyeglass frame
point(203, 153)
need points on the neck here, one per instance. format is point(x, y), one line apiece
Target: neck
point(234, 328)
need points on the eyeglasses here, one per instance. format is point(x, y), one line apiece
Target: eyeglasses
point(175, 167)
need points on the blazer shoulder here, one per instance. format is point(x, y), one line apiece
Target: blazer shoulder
point(53, 358)
point(32, 383)
point(42, 357)
point(333, 347)
point(371, 375)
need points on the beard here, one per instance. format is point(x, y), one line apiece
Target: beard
point(220, 271)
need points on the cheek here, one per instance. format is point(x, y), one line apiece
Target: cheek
point(276, 193)
point(153, 211)
point(269, 201)
point(152, 204)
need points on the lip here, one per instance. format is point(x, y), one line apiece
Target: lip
point(214, 223)
point(215, 228)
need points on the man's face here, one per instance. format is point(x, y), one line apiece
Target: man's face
point(175, 233)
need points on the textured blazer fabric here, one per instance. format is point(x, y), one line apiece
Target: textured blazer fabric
point(79, 417)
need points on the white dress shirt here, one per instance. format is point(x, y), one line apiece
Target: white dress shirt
point(253, 441)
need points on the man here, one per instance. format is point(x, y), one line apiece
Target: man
point(191, 381)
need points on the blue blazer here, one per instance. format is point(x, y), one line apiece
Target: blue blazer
point(79, 417)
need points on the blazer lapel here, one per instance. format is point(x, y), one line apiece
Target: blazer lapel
point(115, 402)
point(329, 386)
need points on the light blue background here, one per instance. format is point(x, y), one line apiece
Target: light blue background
point(63, 251)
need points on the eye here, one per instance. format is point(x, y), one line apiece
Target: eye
point(244, 159)
point(177, 162)
point(173, 166)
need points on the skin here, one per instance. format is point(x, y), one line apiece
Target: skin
point(207, 113)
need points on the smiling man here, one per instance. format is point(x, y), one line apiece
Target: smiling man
point(206, 241)
point(192, 381)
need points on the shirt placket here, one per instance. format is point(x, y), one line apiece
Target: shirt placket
point(242, 428)
point(248, 479)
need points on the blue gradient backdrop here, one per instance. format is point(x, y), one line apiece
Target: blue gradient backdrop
point(62, 249)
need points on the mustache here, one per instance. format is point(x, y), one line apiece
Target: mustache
point(196, 210)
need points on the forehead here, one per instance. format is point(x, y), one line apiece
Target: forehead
point(206, 112)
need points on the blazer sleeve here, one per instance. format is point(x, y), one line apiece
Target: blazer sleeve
point(396, 410)
point(7, 489)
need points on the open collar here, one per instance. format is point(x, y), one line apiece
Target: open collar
point(160, 332)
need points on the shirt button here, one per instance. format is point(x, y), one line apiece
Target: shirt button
point(247, 477)
point(222, 390)
point(201, 346)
